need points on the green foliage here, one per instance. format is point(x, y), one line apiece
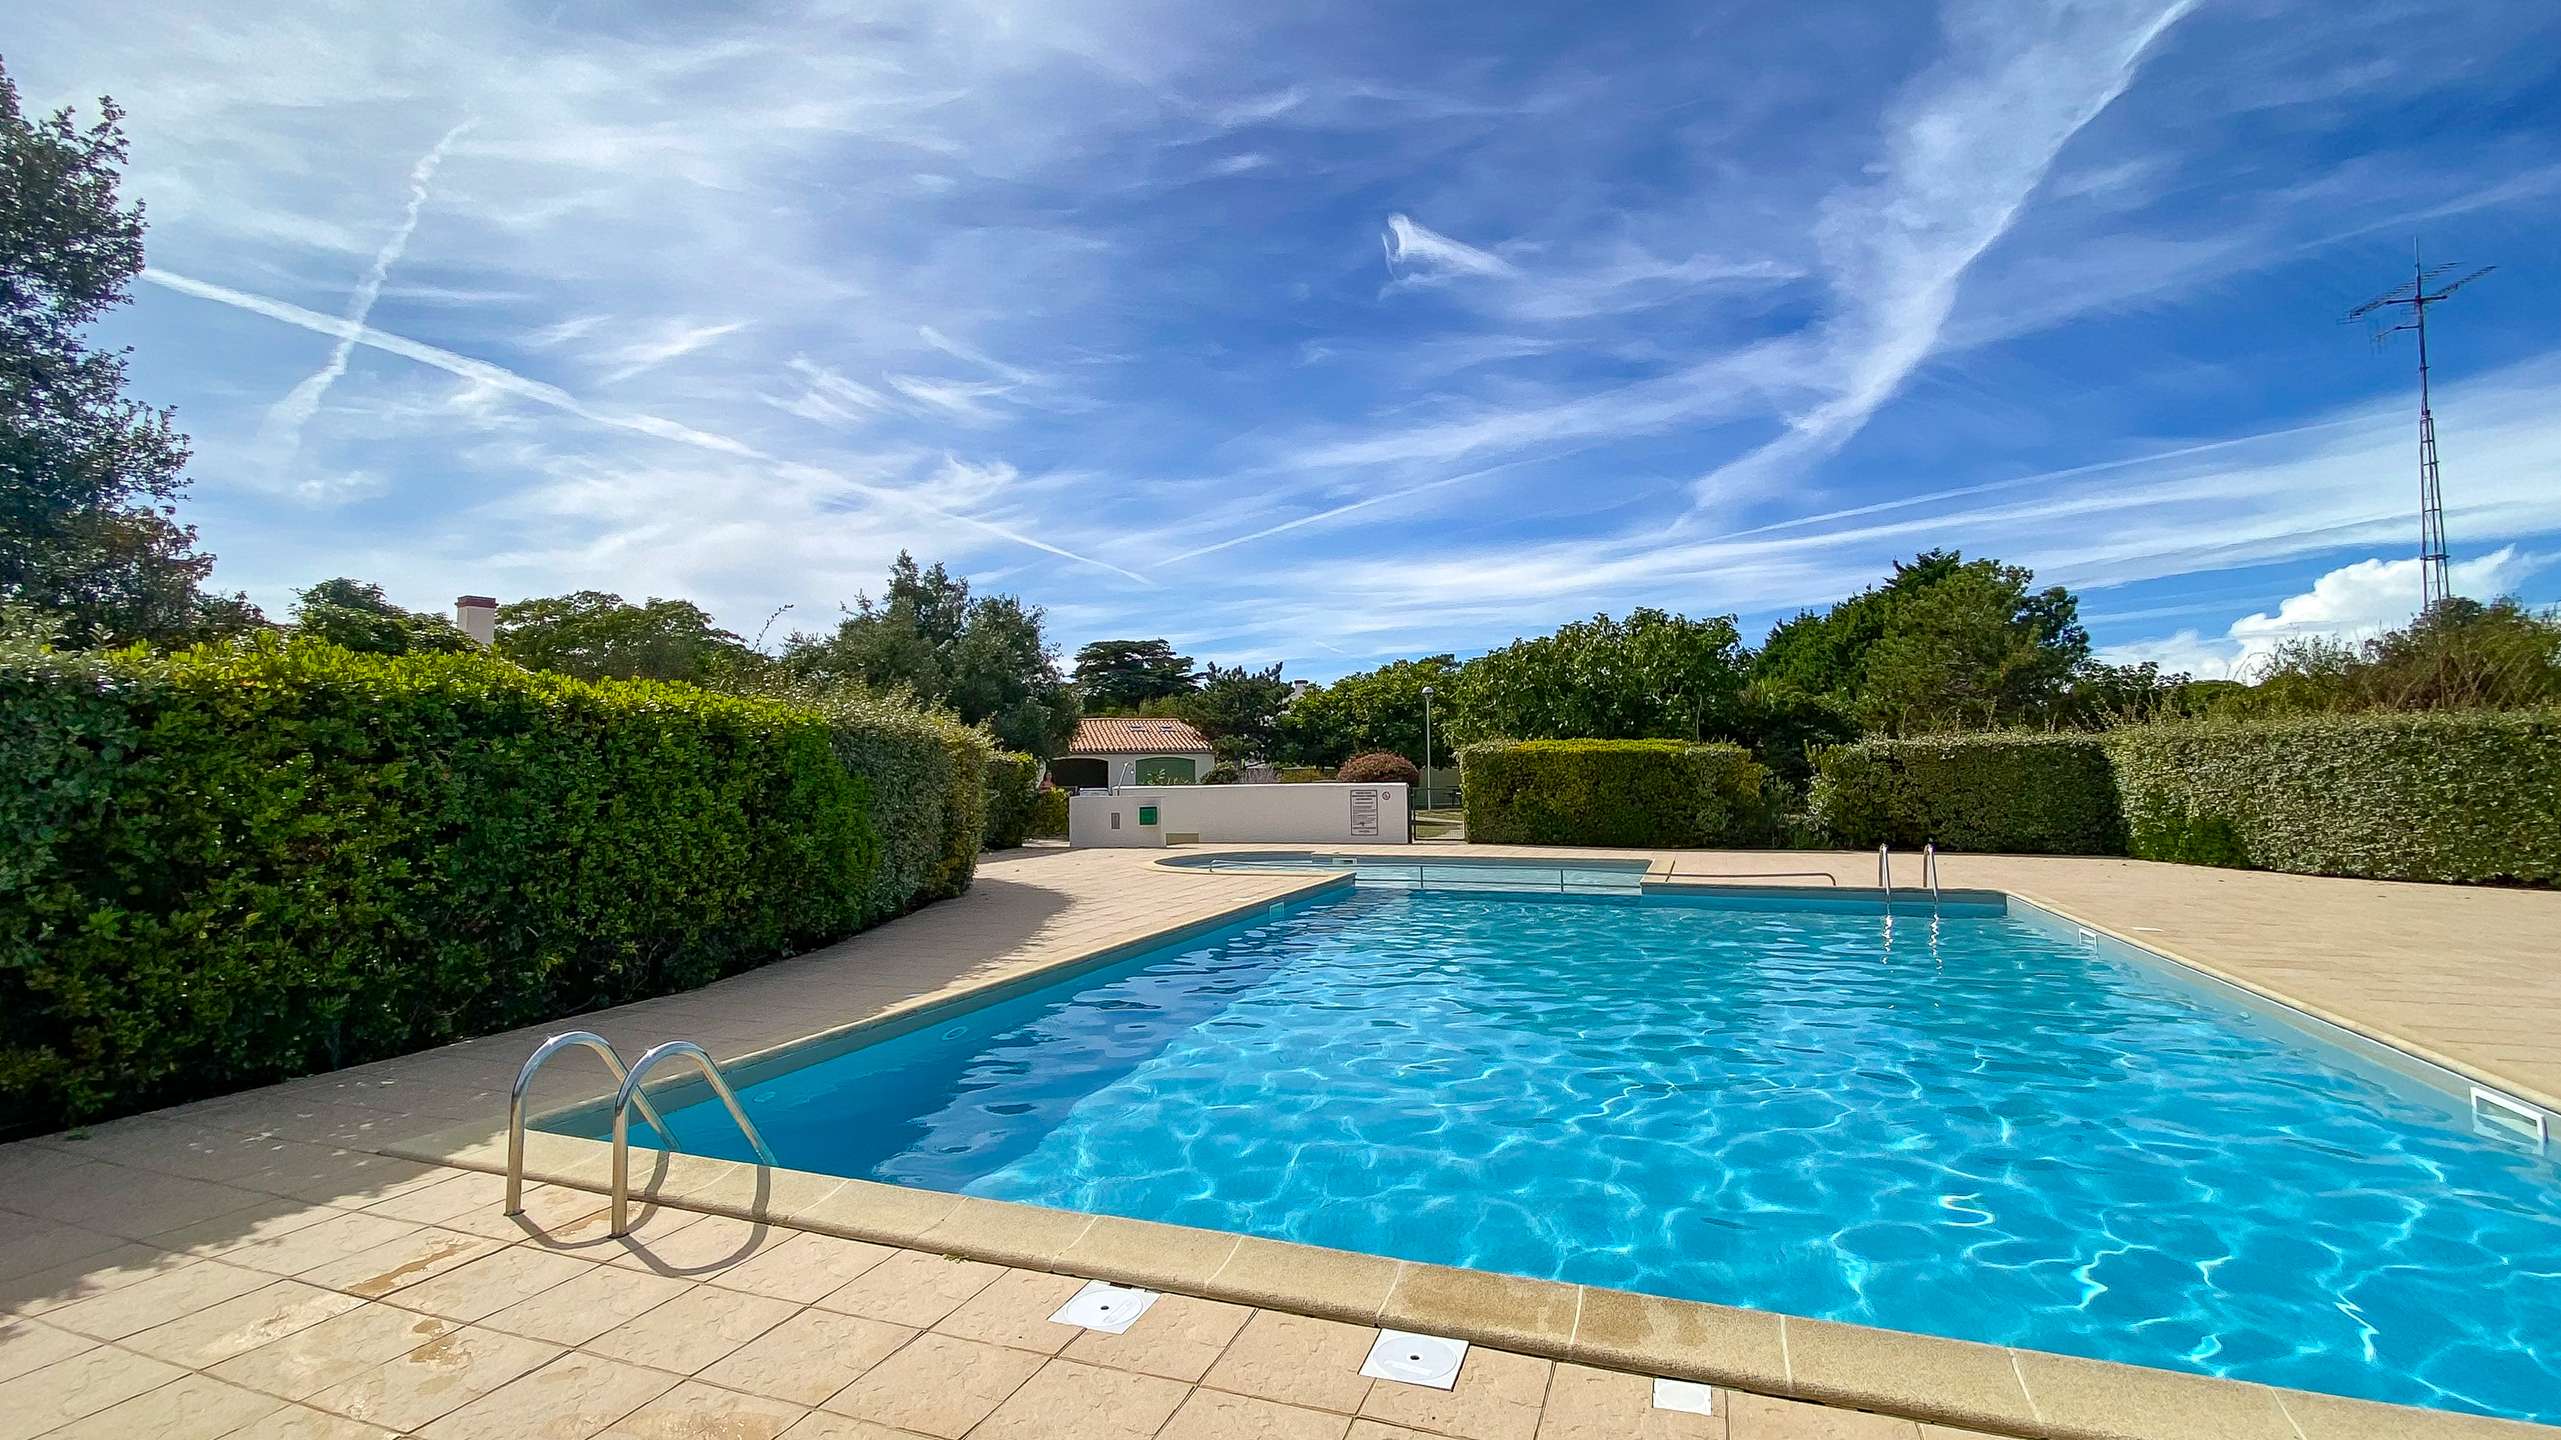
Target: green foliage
point(596, 636)
point(984, 658)
point(2449, 796)
point(1049, 814)
point(2461, 655)
point(1379, 709)
point(1225, 772)
point(1303, 775)
point(1665, 793)
point(1236, 709)
point(1118, 676)
point(1013, 781)
point(2016, 793)
point(1653, 675)
point(1379, 767)
point(355, 615)
point(89, 480)
point(239, 864)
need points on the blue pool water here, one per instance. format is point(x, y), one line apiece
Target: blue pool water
point(1980, 1130)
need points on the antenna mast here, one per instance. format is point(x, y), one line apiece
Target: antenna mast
point(2416, 297)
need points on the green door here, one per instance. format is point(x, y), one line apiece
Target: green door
point(1165, 770)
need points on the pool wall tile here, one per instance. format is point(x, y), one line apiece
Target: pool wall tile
point(1484, 1308)
point(1923, 1376)
point(1144, 1252)
point(1681, 1339)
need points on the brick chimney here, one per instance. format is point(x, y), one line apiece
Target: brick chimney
point(477, 617)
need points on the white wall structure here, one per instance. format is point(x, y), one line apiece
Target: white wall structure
point(477, 617)
point(1215, 814)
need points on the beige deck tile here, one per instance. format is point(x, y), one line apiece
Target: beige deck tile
point(937, 1385)
point(586, 1306)
point(692, 1330)
point(1314, 1364)
point(376, 1272)
point(1497, 1397)
point(696, 1411)
point(912, 1288)
point(1951, 1432)
point(191, 1407)
point(1069, 1401)
point(803, 1267)
point(809, 1357)
point(1140, 1252)
point(1489, 1309)
point(888, 1214)
point(132, 1308)
point(92, 1275)
point(1588, 1404)
point(272, 1216)
point(30, 1245)
point(1763, 1417)
point(337, 1349)
point(2085, 1397)
point(337, 1238)
point(241, 1324)
point(439, 1201)
point(549, 1211)
point(77, 1387)
point(32, 1345)
point(438, 1377)
point(301, 1422)
point(1380, 1430)
point(1715, 1343)
point(1010, 1234)
point(702, 1248)
point(139, 1204)
point(1179, 1337)
point(574, 1395)
point(1922, 1376)
point(489, 1284)
point(1014, 1310)
point(821, 1425)
point(1217, 1415)
point(1336, 1284)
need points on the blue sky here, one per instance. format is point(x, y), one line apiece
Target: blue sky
point(1330, 334)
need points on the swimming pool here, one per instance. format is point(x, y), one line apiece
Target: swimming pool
point(1980, 1128)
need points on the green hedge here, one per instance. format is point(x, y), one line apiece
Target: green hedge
point(1612, 792)
point(1013, 779)
point(2014, 793)
point(1049, 814)
point(237, 865)
point(2448, 795)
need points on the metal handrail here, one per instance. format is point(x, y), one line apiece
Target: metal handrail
point(1930, 868)
point(630, 1093)
point(1885, 875)
point(525, 1078)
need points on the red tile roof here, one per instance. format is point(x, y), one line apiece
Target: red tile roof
point(1112, 735)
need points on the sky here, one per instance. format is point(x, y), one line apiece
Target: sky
point(1331, 334)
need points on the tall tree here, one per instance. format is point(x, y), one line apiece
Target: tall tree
point(1652, 676)
point(985, 656)
point(595, 636)
point(1121, 675)
point(355, 614)
point(89, 480)
point(1379, 709)
point(1238, 709)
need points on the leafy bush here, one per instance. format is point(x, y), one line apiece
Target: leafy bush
point(2017, 793)
point(2449, 795)
point(1304, 775)
point(1225, 772)
point(235, 865)
point(1613, 792)
point(1049, 814)
point(1013, 779)
point(1379, 767)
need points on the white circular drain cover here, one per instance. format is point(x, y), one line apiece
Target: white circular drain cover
point(1104, 1306)
point(1684, 1395)
point(1412, 1359)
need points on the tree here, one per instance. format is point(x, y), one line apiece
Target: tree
point(1379, 709)
point(596, 636)
point(1121, 675)
point(355, 615)
point(89, 480)
point(985, 657)
point(1653, 676)
point(1238, 709)
point(2461, 654)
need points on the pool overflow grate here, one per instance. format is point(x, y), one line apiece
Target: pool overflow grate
point(1687, 1396)
point(1411, 1359)
point(1103, 1306)
point(2499, 1117)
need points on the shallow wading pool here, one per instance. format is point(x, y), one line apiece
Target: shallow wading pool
point(1981, 1125)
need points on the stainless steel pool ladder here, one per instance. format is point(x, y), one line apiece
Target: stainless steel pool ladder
point(1930, 868)
point(605, 1051)
point(630, 1095)
point(1885, 876)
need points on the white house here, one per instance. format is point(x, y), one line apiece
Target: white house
point(1112, 750)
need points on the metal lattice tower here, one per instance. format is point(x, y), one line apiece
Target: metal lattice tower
point(2416, 297)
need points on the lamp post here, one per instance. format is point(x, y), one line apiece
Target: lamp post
point(1427, 747)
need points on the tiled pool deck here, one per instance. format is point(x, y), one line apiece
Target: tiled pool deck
point(264, 1265)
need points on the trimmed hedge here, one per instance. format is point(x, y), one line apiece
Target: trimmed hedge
point(2445, 795)
point(2015, 793)
point(1049, 814)
point(1013, 779)
point(1612, 792)
point(236, 865)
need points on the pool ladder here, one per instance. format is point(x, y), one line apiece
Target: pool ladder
point(626, 1098)
point(1929, 872)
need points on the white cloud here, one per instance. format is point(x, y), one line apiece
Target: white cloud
point(2351, 603)
point(666, 340)
point(1417, 254)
